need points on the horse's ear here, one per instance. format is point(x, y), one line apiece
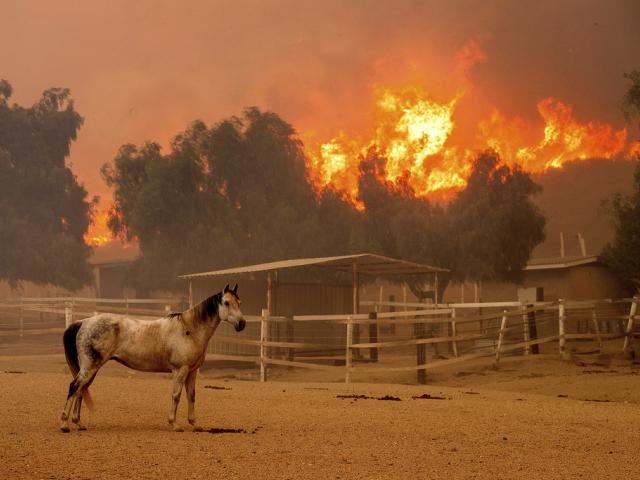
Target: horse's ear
point(226, 289)
point(235, 290)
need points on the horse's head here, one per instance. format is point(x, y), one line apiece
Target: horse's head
point(229, 310)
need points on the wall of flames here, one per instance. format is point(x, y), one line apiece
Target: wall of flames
point(412, 133)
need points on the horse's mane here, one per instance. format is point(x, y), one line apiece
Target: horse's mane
point(205, 309)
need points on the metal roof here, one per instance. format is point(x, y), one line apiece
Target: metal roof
point(560, 262)
point(366, 263)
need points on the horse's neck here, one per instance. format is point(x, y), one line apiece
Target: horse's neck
point(200, 325)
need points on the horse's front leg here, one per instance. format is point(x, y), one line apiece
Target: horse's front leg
point(179, 377)
point(190, 386)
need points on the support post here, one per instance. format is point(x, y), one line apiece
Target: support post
point(356, 306)
point(126, 306)
point(454, 332)
point(503, 326)
point(190, 293)
point(526, 334)
point(263, 347)
point(562, 346)
point(347, 357)
point(628, 337)
point(596, 326)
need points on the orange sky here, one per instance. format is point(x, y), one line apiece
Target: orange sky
point(143, 70)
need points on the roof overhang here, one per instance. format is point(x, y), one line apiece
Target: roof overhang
point(560, 262)
point(365, 263)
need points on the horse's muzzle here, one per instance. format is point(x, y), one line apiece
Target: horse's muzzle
point(240, 325)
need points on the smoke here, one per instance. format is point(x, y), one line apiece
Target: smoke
point(142, 70)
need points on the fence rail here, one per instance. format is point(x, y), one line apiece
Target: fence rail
point(373, 342)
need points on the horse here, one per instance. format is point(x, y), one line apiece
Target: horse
point(176, 343)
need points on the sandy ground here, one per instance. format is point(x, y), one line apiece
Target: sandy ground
point(534, 418)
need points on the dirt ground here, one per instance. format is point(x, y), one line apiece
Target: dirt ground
point(534, 418)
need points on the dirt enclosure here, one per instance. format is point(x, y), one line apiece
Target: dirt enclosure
point(537, 417)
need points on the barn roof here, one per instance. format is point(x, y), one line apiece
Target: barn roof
point(366, 263)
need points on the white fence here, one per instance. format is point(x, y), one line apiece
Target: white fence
point(392, 337)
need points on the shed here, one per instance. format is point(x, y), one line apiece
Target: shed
point(276, 287)
point(351, 265)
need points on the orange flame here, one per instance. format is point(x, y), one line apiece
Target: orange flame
point(413, 134)
point(98, 233)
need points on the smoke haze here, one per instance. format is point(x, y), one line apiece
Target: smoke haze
point(143, 70)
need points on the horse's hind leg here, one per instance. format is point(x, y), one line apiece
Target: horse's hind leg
point(74, 398)
point(179, 377)
point(190, 386)
point(75, 418)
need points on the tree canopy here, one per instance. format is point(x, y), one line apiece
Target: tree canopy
point(44, 211)
point(235, 193)
point(621, 254)
point(239, 193)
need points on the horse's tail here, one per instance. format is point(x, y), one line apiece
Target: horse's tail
point(71, 353)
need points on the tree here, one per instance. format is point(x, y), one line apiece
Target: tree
point(487, 232)
point(235, 193)
point(631, 101)
point(621, 254)
point(493, 223)
point(44, 211)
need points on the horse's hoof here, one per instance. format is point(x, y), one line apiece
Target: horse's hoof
point(82, 428)
point(65, 428)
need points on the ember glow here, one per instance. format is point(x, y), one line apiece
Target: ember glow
point(98, 233)
point(412, 131)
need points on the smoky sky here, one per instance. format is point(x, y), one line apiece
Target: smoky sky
point(144, 70)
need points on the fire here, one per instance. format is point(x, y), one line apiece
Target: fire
point(412, 132)
point(98, 233)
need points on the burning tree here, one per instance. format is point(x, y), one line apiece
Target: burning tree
point(44, 211)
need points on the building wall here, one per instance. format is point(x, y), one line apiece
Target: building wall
point(583, 282)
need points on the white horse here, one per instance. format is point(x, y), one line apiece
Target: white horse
point(176, 343)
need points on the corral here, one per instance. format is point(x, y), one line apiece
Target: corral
point(574, 415)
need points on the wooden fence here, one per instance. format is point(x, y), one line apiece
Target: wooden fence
point(391, 337)
point(35, 313)
point(463, 331)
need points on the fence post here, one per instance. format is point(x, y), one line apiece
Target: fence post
point(503, 326)
point(454, 332)
point(373, 336)
point(21, 319)
point(526, 333)
point(67, 314)
point(421, 352)
point(562, 346)
point(263, 348)
point(126, 307)
point(596, 325)
point(348, 357)
point(290, 338)
point(629, 330)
